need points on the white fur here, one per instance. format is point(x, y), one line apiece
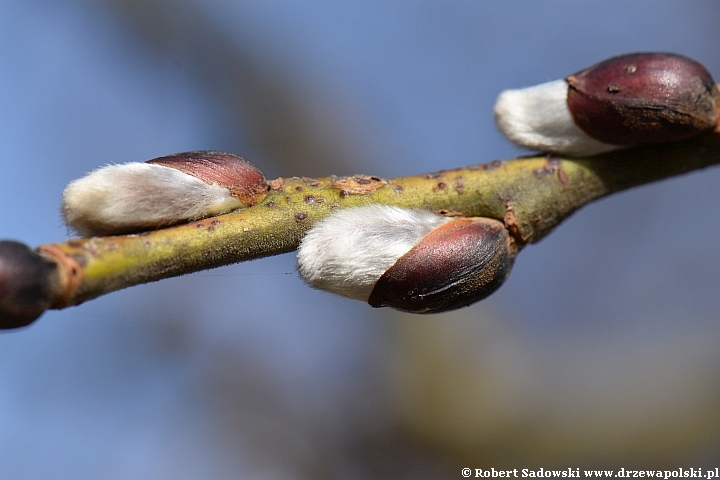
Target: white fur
point(140, 196)
point(538, 118)
point(349, 251)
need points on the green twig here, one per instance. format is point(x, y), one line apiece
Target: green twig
point(530, 195)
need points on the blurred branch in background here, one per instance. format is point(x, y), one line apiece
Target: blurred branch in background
point(278, 120)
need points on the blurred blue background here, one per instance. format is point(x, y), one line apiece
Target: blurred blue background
point(602, 349)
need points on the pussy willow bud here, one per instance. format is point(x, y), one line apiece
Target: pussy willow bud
point(628, 100)
point(412, 260)
point(453, 266)
point(26, 284)
point(164, 191)
point(243, 179)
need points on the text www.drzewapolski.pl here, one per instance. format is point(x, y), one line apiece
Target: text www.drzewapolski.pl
point(577, 473)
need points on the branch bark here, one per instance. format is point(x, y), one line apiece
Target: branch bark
point(530, 195)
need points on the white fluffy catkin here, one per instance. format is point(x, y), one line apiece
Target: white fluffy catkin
point(347, 252)
point(538, 118)
point(133, 197)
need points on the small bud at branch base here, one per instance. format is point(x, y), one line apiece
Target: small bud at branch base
point(26, 284)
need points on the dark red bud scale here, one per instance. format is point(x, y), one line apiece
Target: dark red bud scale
point(26, 281)
point(454, 265)
point(244, 180)
point(644, 98)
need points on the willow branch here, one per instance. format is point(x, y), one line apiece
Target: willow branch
point(530, 195)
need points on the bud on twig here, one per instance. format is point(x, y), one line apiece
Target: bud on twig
point(412, 260)
point(243, 179)
point(451, 267)
point(165, 191)
point(27, 282)
point(627, 100)
point(347, 252)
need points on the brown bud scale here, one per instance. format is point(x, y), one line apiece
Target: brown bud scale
point(26, 284)
point(244, 180)
point(456, 264)
point(644, 98)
